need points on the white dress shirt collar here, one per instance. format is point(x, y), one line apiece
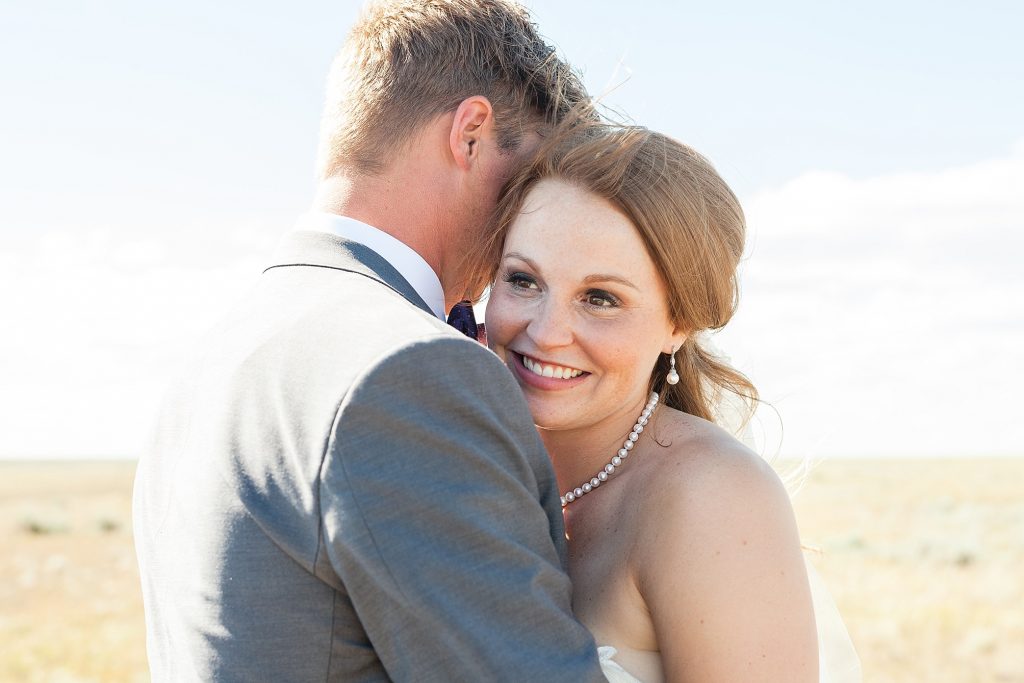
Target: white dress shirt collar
point(401, 256)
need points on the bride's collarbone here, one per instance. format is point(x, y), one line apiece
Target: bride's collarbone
point(603, 530)
point(620, 521)
point(623, 506)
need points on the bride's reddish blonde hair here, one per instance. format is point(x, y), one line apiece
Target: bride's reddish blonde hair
point(688, 218)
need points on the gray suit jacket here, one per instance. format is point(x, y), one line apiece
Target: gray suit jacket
point(341, 487)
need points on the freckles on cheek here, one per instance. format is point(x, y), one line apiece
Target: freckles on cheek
point(621, 354)
point(622, 345)
point(507, 309)
point(499, 323)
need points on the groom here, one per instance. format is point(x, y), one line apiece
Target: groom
point(341, 487)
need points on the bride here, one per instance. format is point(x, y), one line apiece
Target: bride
point(615, 250)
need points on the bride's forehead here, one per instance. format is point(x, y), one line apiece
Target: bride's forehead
point(566, 227)
point(553, 224)
point(552, 198)
point(576, 244)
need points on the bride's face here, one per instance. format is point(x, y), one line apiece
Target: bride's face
point(578, 312)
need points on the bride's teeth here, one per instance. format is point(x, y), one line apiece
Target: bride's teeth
point(555, 371)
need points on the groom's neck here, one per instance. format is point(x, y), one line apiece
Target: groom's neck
point(395, 204)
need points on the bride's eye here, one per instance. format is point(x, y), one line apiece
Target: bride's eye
point(598, 298)
point(520, 280)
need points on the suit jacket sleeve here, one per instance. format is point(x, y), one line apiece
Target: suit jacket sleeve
point(440, 516)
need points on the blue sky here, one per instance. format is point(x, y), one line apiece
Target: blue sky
point(152, 155)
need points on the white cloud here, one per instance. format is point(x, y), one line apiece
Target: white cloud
point(96, 322)
point(886, 315)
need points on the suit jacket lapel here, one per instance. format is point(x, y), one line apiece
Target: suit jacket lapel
point(324, 250)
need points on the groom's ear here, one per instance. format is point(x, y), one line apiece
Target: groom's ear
point(473, 116)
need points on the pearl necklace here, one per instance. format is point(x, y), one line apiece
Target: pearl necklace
point(616, 461)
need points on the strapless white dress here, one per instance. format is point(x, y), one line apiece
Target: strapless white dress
point(837, 659)
point(611, 669)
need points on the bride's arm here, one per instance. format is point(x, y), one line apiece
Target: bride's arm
point(722, 572)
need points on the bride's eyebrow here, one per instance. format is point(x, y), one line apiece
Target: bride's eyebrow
point(588, 280)
point(600, 277)
point(521, 257)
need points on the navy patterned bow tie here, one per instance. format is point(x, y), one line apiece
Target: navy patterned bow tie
point(462, 319)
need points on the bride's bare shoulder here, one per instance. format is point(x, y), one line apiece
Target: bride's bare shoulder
point(716, 557)
point(701, 485)
point(690, 454)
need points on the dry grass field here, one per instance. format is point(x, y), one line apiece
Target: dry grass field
point(925, 560)
point(70, 607)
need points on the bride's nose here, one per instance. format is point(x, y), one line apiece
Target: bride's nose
point(551, 325)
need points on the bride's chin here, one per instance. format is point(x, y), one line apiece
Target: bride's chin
point(554, 413)
point(548, 423)
point(540, 420)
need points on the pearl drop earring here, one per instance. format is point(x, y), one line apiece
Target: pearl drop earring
point(673, 376)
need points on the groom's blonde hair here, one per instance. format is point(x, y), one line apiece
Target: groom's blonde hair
point(407, 61)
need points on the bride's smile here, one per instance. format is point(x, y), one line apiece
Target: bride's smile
point(543, 374)
point(539, 367)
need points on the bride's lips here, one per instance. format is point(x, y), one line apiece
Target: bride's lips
point(531, 378)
